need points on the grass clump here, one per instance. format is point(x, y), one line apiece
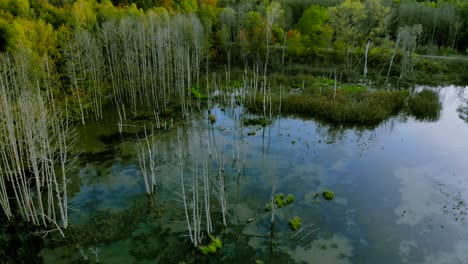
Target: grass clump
point(350, 106)
point(280, 201)
point(328, 195)
point(259, 121)
point(295, 223)
point(425, 105)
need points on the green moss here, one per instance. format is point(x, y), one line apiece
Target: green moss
point(328, 195)
point(295, 223)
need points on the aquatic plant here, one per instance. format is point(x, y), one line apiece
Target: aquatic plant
point(279, 200)
point(289, 199)
point(425, 105)
point(212, 247)
point(295, 223)
point(205, 250)
point(328, 195)
point(259, 121)
point(357, 107)
point(216, 241)
point(251, 133)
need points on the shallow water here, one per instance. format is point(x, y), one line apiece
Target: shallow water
point(401, 192)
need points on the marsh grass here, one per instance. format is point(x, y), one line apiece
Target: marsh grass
point(425, 105)
point(350, 106)
point(257, 121)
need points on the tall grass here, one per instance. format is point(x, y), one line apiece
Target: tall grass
point(351, 106)
point(425, 105)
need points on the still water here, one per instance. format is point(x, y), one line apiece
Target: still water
point(401, 191)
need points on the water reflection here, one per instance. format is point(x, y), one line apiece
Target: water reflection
point(400, 189)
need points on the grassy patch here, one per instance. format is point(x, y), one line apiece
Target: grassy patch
point(258, 121)
point(350, 106)
point(425, 105)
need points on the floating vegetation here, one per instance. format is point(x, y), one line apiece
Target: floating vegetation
point(280, 201)
point(259, 121)
point(289, 199)
point(212, 247)
point(251, 133)
point(425, 105)
point(328, 195)
point(295, 223)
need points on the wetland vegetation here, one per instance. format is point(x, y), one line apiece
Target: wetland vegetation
point(136, 130)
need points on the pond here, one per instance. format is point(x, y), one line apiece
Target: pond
point(400, 191)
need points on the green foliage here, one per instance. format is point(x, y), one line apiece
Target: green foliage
point(328, 195)
point(346, 19)
point(295, 223)
point(425, 105)
point(295, 46)
point(314, 27)
point(187, 5)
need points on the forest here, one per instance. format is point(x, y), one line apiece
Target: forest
point(66, 63)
